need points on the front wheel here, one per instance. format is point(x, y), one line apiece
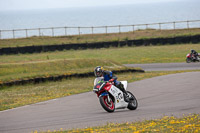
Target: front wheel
point(133, 104)
point(188, 60)
point(107, 103)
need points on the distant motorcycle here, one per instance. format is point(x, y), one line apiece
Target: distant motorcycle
point(191, 58)
point(111, 97)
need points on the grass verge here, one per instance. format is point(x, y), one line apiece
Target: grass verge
point(15, 96)
point(49, 68)
point(123, 55)
point(139, 34)
point(167, 124)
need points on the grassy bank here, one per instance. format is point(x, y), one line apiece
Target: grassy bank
point(15, 96)
point(185, 124)
point(139, 34)
point(53, 67)
point(123, 55)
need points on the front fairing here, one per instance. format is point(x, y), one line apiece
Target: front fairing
point(98, 86)
point(102, 86)
point(99, 83)
point(188, 55)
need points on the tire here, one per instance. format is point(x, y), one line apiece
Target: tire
point(108, 106)
point(188, 60)
point(133, 104)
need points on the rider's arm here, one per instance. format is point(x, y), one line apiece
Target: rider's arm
point(110, 75)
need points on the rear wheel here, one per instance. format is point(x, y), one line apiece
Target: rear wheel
point(107, 103)
point(133, 104)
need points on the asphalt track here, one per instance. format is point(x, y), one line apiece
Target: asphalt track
point(173, 94)
point(167, 66)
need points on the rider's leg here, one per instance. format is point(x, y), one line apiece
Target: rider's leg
point(121, 87)
point(196, 56)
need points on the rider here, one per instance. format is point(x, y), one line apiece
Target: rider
point(107, 75)
point(193, 52)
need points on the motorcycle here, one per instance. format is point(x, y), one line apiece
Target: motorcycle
point(111, 97)
point(191, 58)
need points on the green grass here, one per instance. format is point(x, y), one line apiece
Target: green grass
point(140, 34)
point(53, 67)
point(24, 66)
point(185, 124)
point(15, 96)
point(123, 55)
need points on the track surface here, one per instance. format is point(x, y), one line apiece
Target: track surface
point(174, 94)
point(167, 66)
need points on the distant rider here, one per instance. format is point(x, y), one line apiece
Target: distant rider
point(194, 54)
point(107, 75)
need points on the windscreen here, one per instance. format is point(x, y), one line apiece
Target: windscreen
point(97, 80)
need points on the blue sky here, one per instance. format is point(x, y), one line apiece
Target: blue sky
point(46, 4)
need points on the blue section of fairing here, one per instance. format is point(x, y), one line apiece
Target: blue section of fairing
point(104, 94)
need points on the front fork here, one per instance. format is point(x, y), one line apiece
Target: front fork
point(106, 94)
point(109, 100)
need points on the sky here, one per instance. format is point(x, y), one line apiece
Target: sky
point(6, 5)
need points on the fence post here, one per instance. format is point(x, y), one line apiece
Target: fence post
point(188, 26)
point(119, 29)
point(92, 30)
point(26, 33)
point(159, 26)
point(39, 31)
point(106, 29)
point(174, 25)
point(13, 33)
point(52, 31)
point(133, 28)
point(65, 31)
point(79, 32)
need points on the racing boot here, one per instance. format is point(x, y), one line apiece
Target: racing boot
point(126, 97)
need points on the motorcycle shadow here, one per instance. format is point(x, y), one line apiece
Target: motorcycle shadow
point(116, 111)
